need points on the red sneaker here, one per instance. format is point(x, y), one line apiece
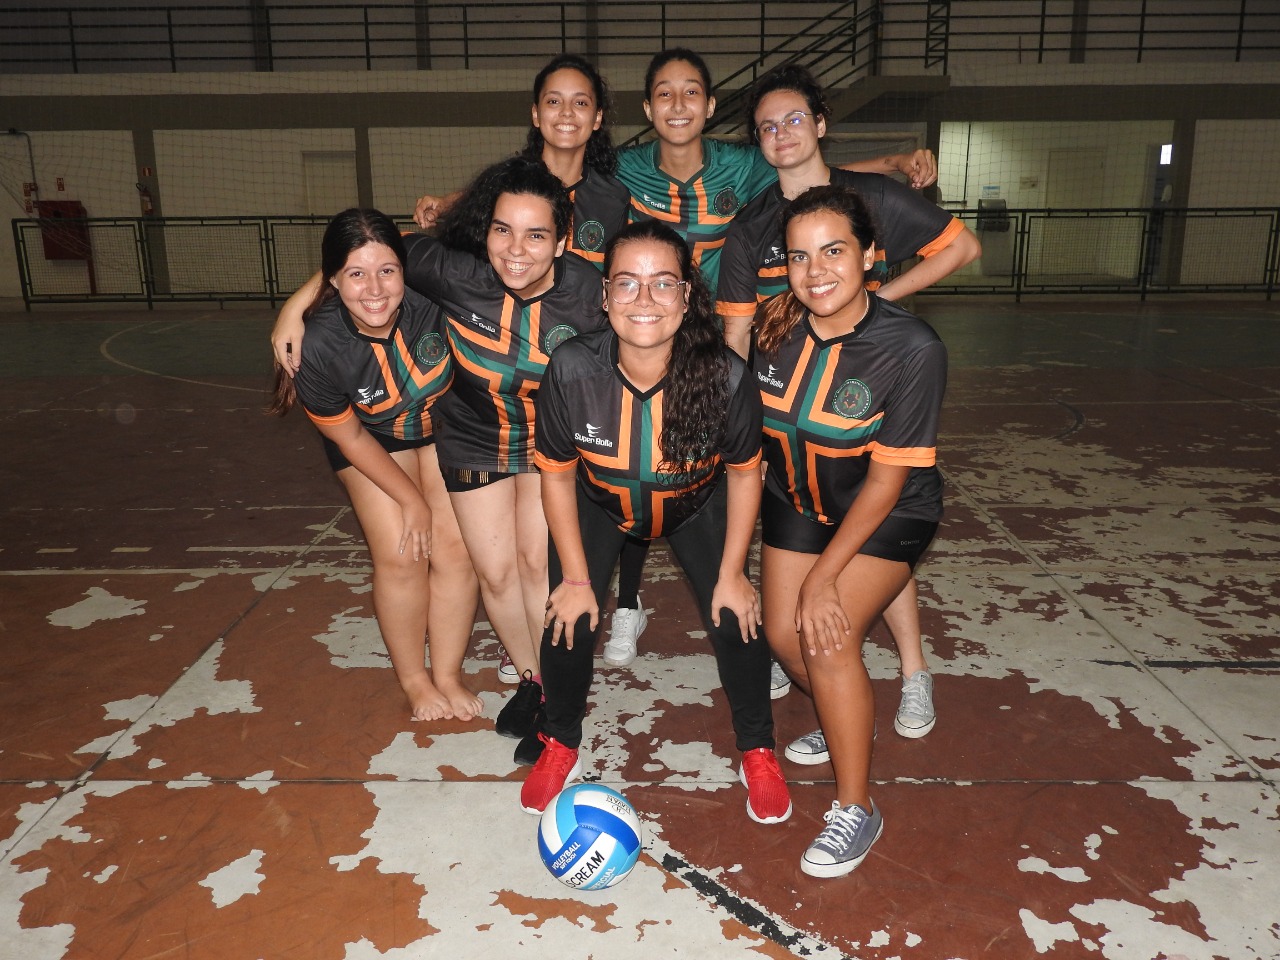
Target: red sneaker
point(556, 767)
point(768, 800)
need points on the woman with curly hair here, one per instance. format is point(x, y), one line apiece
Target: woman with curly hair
point(376, 364)
point(511, 299)
point(852, 387)
point(570, 134)
point(637, 424)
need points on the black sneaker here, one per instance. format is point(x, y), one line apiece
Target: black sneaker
point(529, 749)
point(519, 717)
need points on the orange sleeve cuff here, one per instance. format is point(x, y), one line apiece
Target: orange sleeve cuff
point(906, 456)
point(333, 421)
point(942, 240)
point(543, 462)
point(752, 464)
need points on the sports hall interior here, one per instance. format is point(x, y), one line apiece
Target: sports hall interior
point(203, 749)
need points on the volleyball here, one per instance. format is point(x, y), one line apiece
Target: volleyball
point(589, 837)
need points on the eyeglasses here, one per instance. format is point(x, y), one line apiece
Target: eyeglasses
point(789, 122)
point(662, 291)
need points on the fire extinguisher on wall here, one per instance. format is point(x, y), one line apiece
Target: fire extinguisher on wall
point(144, 198)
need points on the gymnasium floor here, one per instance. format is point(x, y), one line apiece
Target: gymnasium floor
point(204, 754)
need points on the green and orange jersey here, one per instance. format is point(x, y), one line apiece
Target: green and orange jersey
point(753, 263)
point(699, 209)
point(500, 345)
point(592, 420)
point(833, 406)
point(600, 209)
point(390, 383)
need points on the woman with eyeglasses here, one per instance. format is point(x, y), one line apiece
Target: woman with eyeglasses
point(788, 115)
point(651, 428)
point(695, 184)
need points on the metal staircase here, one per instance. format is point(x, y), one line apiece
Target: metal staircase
point(842, 49)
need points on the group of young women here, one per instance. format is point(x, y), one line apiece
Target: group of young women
point(611, 412)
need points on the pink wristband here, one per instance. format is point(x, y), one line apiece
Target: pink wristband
point(576, 583)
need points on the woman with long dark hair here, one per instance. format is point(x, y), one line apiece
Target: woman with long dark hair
point(510, 298)
point(852, 388)
point(571, 112)
point(377, 363)
point(651, 428)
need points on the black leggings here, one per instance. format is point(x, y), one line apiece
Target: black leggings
point(698, 546)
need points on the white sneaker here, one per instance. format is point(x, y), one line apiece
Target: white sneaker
point(507, 671)
point(779, 682)
point(628, 624)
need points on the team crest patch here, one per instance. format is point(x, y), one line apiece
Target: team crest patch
point(725, 203)
point(852, 400)
point(556, 336)
point(591, 236)
point(430, 349)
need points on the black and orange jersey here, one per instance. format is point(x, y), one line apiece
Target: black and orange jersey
point(390, 383)
point(600, 204)
point(753, 263)
point(590, 418)
point(832, 406)
point(500, 345)
point(699, 209)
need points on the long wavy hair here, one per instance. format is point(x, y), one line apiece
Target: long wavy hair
point(778, 316)
point(793, 78)
point(670, 55)
point(465, 226)
point(694, 409)
point(348, 231)
point(600, 155)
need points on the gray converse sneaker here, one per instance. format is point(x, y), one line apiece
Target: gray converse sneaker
point(779, 683)
point(808, 750)
point(812, 748)
point(624, 632)
point(844, 842)
point(915, 713)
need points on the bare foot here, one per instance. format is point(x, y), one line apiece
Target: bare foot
point(466, 705)
point(427, 702)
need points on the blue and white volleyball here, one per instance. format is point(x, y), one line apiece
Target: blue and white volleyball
point(589, 837)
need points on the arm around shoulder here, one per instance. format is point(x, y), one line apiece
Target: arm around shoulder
point(286, 335)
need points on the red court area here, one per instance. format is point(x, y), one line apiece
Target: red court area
point(205, 754)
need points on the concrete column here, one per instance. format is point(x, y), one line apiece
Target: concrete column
point(364, 168)
point(153, 239)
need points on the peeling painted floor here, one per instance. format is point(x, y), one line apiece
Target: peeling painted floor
point(204, 754)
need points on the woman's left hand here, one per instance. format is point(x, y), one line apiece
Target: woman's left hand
point(738, 595)
point(566, 604)
point(820, 617)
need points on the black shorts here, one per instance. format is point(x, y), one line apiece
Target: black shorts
point(390, 444)
point(899, 538)
point(461, 479)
